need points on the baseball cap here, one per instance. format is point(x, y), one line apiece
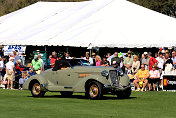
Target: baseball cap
point(145, 53)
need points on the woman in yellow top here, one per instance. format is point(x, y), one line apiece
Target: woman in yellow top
point(141, 75)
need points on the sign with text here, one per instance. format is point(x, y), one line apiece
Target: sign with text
point(9, 49)
point(43, 55)
point(169, 82)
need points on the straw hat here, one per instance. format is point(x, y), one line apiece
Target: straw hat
point(129, 52)
point(93, 54)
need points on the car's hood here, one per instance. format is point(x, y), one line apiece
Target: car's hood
point(93, 68)
point(87, 68)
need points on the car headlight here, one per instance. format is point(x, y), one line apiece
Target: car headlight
point(104, 73)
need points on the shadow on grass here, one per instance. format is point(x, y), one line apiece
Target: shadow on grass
point(82, 97)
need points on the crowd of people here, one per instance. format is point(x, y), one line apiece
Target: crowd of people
point(11, 70)
point(144, 70)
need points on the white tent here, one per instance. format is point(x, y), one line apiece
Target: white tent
point(101, 23)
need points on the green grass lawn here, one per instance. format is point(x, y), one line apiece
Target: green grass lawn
point(20, 104)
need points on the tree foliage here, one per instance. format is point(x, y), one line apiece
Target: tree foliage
point(8, 6)
point(167, 7)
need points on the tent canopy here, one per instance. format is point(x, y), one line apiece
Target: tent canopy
point(100, 23)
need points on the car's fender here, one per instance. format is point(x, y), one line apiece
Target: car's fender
point(124, 81)
point(40, 79)
point(80, 86)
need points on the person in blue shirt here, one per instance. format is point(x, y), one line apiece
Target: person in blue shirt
point(25, 77)
point(30, 73)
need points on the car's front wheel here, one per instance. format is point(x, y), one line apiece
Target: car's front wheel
point(94, 90)
point(36, 90)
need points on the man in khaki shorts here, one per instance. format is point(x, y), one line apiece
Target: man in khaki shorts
point(10, 72)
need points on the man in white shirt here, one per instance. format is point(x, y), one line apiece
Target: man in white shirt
point(87, 56)
point(10, 72)
point(109, 57)
point(160, 61)
point(67, 56)
point(160, 65)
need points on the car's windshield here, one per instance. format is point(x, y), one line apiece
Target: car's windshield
point(69, 63)
point(78, 62)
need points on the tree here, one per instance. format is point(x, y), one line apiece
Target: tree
point(8, 6)
point(167, 7)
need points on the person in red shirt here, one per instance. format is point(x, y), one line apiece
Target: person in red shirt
point(18, 73)
point(152, 61)
point(53, 59)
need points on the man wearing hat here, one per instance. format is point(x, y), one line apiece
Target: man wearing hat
point(128, 62)
point(10, 72)
point(36, 64)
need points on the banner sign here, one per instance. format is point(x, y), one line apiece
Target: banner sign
point(169, 82)
point(9, 49)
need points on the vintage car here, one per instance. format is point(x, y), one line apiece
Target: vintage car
point(70, 76)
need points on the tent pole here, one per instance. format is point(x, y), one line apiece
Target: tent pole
point(45, 48)
point(90, 52)
point(67, 49)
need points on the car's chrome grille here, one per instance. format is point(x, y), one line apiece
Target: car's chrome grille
point(113, 76)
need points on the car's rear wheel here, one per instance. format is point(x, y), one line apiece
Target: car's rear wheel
point(66, 93)
point(124, 94)
point(36, 90)
point(94, 90)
